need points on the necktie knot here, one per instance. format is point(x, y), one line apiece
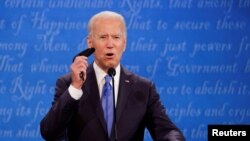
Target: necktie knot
point(107, 79)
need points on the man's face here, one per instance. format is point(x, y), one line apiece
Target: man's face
point(109, 40)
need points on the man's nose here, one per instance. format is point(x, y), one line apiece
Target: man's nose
point(110, 42)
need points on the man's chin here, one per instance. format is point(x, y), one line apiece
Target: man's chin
point(111, 65)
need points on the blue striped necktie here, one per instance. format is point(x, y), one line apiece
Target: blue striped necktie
point(107, 103)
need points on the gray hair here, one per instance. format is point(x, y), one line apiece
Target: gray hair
point(106, 14)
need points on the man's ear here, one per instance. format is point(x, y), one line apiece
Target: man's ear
point(89, 42)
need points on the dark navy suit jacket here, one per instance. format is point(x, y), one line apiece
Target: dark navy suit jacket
point(138, 107)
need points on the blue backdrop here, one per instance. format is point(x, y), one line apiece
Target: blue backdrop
point(196, 51)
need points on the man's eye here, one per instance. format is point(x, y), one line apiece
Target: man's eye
point(117, 37)
point(102, 37)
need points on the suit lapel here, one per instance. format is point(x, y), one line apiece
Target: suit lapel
point(91, 89)
point(124, 92)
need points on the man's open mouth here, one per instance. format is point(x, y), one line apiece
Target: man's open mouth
point(110, 54)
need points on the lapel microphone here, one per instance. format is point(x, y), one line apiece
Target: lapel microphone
point(111, 73)
point(87, 52)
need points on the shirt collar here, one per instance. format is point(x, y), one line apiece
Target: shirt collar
point(100, 74)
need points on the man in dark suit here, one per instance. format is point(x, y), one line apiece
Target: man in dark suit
point(78, 113)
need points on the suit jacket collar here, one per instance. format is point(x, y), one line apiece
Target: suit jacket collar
point(90, 89)
point(124, 91)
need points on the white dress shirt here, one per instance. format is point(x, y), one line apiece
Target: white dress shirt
point(100, 74)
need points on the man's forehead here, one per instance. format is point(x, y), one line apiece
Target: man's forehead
point(107, 34)
point(108, 30)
